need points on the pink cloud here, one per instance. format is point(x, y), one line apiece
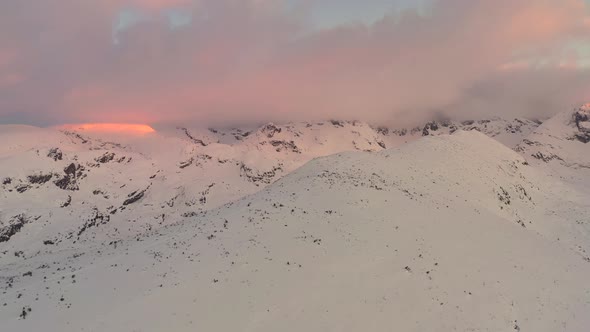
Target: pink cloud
point(257, 61)
point(10, 79)
point(517, 65)
point(7, 57)
point(159, 4)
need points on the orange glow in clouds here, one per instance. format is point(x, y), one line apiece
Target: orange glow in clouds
point(124, 128)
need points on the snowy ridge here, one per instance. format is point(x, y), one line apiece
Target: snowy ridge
point(64, 179)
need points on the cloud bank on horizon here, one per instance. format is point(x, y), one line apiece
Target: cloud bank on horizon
point(170, 61)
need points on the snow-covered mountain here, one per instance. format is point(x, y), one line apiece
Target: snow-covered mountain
point(267, 229)
point(63, 183)
point(560, 146)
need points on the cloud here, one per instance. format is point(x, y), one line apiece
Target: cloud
point(260, 60)
point(159, 4)
point(7, 56)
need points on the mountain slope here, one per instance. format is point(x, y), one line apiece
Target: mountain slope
point(446, 233)
point(560, 146)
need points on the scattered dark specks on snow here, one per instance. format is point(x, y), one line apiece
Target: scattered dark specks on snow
point(25, 312)
point(21, 188)
point(96, 219)
point(546, 158)
point(516, 327)
point(504, 196)
point(76, 136)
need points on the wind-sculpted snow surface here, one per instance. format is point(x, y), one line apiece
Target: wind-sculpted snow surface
point(451, 232)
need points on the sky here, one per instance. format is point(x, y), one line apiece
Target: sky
point(235, 61)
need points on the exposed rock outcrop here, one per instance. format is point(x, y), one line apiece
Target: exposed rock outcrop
point(284, 145)
point(105, 158)
point(192, 138)
point(97, 218)
point(581, 118)
point(55, 154)
point(270, 130)
point(13, 226)
point(135, 196)
point(257, 177)
point(73, 173)
point(39, 178)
